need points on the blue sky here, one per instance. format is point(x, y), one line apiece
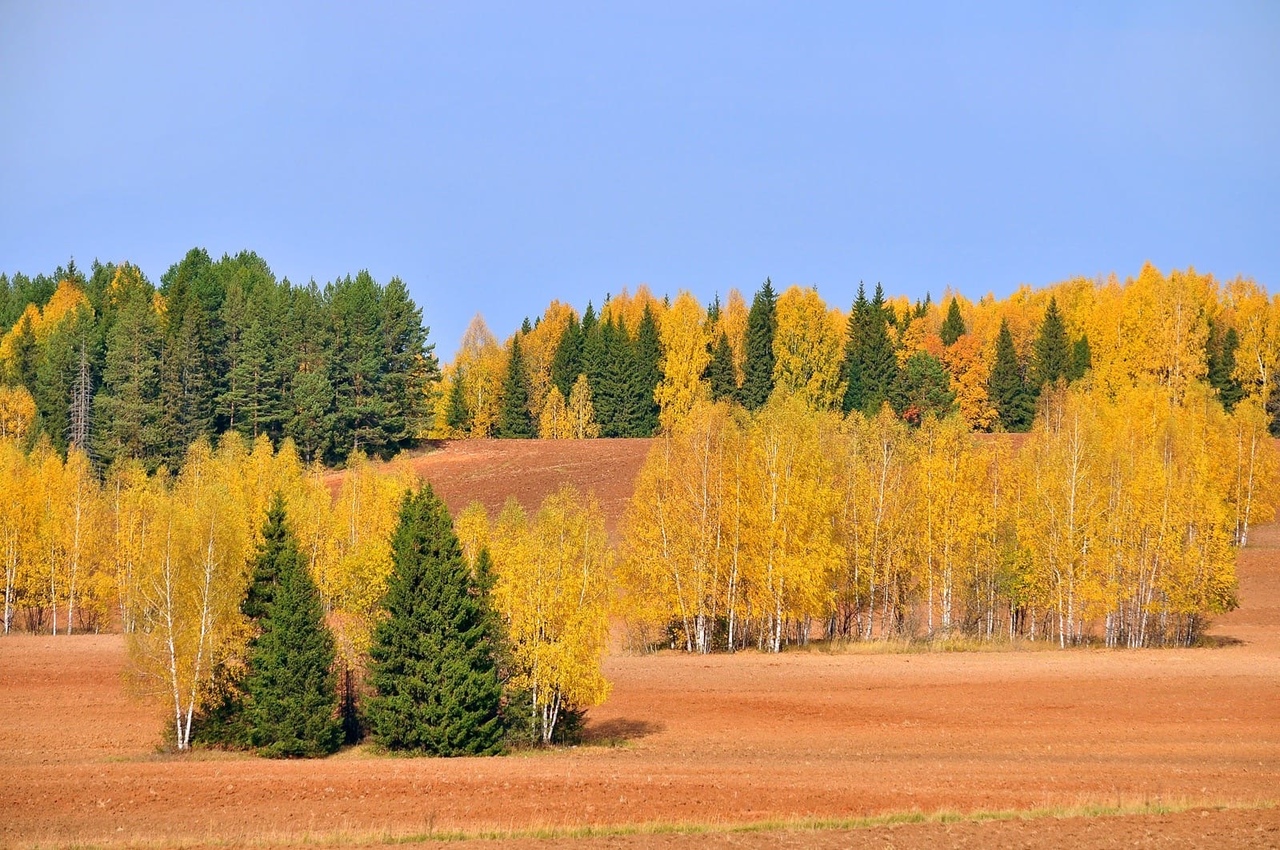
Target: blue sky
point(495, 156)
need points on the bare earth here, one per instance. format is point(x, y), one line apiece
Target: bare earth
point(717, 743)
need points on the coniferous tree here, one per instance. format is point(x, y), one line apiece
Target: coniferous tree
point(854, 344)
point(410, 364)
point(127, 403)
point(645, 375)
point(1008, 391)
point(758, 362)
point(458, 416)
point(879, 360)
point(953, 326)
point(307, 345)
point(358, 366)
point(1221, 357)
point(292, 705)
point(1081, 359)
point(434, 673)
point(1051, 356)
point(922, 388)
point(566, 364)
point(719, 372)
point(514, 419)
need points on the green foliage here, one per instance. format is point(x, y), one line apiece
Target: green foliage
point(854, 343)
point(647, 355)
point(923, 388)
point(566, 364)
point(514, 418)
point(292, 705)
point(953, 325)
point(879, 361)
point(1081, 359)
point(1014, 403)
point(1221, 357)
point(458, 415)
point(434, 670)
point(1051, 357)
point(762, 324)
point(719, 373)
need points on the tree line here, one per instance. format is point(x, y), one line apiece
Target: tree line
point(1114, 520)
point(122, 369)
point(194, 567)
point(637, 366)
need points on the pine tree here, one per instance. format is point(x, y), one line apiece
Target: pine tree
point(434, 674)
point(757, 368)
point(127, 405)
point(1051, 356)
point(514, 419)
point(1008, 391)
point(306, 347)
point(719, 372)
point(358, 367)
point(953, 326)
point(292, 706)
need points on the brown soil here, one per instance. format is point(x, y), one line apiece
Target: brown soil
point(718, 741)
point(492, 471)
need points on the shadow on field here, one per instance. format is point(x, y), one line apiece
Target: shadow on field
point(618, 732)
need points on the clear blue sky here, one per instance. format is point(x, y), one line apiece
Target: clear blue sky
point(495, 156)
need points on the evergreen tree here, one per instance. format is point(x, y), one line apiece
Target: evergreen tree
point(127, 405)
point(1051, 356)
point(757, 368)
point(410, 364)
point(953, 325)
point(644, 377)
point(854, 345)
point(1008, 391)
point(923, 388)
point(879, 360)
point(26, 356)
point(458, 416)
point(306, 349)
point(1221, 356)
point(1081, 359)
point(292, 707)
point(186, 385)
point(719, 372)
point(434, 673)
point(514, 418)
point(358, 367)
point(566, 364)
point(615, 399)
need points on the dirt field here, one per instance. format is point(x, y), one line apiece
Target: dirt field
point(709, 744)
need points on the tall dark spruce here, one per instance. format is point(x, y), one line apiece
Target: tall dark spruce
point(434, 672)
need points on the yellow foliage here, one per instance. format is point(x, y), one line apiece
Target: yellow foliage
point(684, 357)
point(808, 349)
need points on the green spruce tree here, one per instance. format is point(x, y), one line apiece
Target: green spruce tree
point(434, 673)
point(566, 364)
point(1014, 403)
point(879, 360)
point(645, 375)
point(1051, 356)
point(854, 344)
point(758, 361)
point(1081, 359)
point(953, 325)
point(923, 388)
point(458, 415)
point(1221, 354)
point(292, 705)
point(719, 373)
point(514, 419)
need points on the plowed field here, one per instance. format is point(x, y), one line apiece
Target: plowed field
point(709, 745)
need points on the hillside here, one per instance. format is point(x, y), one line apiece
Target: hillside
point(492, 471)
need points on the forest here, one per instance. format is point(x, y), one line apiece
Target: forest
point(1070, 465)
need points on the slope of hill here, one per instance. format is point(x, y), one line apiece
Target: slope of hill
point(492, 471)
